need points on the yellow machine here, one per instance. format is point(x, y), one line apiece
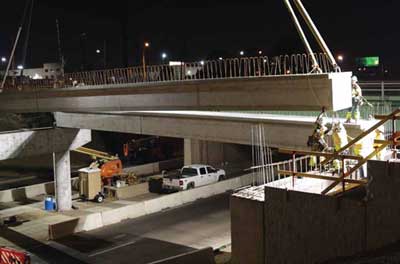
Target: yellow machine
point(109, 165)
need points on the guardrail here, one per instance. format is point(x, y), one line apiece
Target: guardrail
point(382, 88)
point(203, 70)
point(267, 173)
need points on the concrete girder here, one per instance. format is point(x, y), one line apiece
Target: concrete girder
point(290, 92)
point(23, 144)
point(281, 131)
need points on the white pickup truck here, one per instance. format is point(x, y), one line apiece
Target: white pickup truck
point(193, 176)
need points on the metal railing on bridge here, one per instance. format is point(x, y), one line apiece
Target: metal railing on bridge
point(243, 67)
point(381, 89)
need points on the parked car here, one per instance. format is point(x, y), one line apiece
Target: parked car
point(193, 176)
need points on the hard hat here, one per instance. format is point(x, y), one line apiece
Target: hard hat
point(354, 79)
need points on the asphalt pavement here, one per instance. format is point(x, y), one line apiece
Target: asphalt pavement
point(203, 223)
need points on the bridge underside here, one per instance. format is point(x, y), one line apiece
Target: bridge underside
point(290, 92)
point(280, 131)
point(28, 143)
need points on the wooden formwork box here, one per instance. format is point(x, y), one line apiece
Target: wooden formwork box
point(89, 183)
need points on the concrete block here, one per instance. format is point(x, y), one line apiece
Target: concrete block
point(6, 196)
point(247, 231)
point(62, 229)
point(131, 191)
point(89, 222)
point(312, 227)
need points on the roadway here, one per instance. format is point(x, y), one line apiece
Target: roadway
point(203, 223)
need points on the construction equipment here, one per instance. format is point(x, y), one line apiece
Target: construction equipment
point(136, 147)
point(90, 184)
point(151, 149)
point(12, 256)
point(109, 165)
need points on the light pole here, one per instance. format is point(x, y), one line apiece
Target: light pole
point(164, 56)
point(145, 46)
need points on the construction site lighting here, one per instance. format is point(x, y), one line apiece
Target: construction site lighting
point(175, 63)
point(220, 58)
point(164, 55)
point(98, 51)
point(241, 53)
point(20, 67)
point(340, 58)
point(3, 59)
point(202, 62)
point(260, 52)
point(147, 44)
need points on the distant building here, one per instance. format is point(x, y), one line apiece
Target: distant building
point(49, 71)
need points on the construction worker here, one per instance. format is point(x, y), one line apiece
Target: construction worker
point(379, 135)
point(340, 139)
point(356, 101)
point(363, 148)
point(317, 140)
point(339, 136)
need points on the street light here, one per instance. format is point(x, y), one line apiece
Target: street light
point(20, 67)
point(260, 52)
point(146, 45)
point(3, 59)
point(241, 53)
point(340, 58)
point(98, 51)
point(164, 55)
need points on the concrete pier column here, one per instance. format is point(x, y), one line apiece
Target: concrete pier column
point(62, 177)
point(192, 151)
point(203, 152)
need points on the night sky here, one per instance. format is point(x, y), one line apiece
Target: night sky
point(196, 30)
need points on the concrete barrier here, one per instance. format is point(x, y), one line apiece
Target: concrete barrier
point(62, 229)
point(131, 191)
point(28, 192)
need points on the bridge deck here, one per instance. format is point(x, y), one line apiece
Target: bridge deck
point(289, 92)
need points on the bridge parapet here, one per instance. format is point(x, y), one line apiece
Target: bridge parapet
point(203, 70)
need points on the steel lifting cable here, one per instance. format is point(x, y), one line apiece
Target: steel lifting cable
point(302, 35)
point(316, 33)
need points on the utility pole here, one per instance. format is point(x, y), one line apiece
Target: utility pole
point(60, 53)
point(83, 51)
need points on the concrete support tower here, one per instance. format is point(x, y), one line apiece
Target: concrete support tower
point(62, 179)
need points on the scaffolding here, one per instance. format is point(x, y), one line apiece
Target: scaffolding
point(346, 175)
